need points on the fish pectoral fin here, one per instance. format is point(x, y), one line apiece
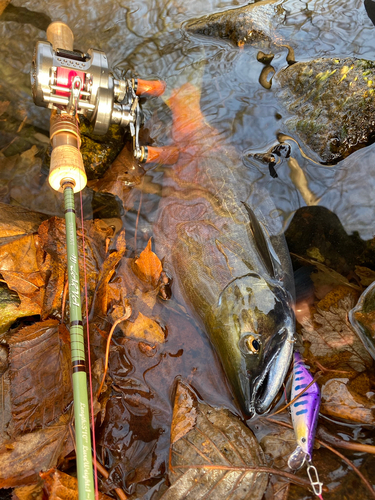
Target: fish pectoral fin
point(297, 459)
point(263, 244)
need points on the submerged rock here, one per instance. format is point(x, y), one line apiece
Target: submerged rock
point(251, 23)
point(98, 152)
point(332, 103)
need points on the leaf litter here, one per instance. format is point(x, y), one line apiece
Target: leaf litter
point(211, 449)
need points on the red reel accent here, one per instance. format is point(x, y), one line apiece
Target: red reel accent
point(64, 78)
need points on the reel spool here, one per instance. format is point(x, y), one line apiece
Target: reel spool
point(71, 82)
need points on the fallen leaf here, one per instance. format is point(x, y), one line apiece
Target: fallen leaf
point(204, 459)
point(339, 402)
point(10, 308)
point(52, 245)
point(333, 340)
point(366, 275)
point(148, 266)
point(278, 446)
point(22, 459)
point(19, 267)
point(106, 291)
point(40, 376)
point(362, 318)
point(333, 297)
point(144, 328)
point(17, 221)
point(185, 414)
point(61, 486)
point(30, 492)
point(124, 173)
point(6, 415)
point(280, 489)
point(3, 104)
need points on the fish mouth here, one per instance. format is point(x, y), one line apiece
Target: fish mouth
point(277, 358)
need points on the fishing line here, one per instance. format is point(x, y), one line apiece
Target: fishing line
point(88, 328)
point(88, 354)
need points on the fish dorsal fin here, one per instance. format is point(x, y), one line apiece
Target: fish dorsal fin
point(264, 246)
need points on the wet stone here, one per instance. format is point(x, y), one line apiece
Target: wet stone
point(332, 104)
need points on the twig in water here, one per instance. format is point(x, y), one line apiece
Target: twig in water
point(103, 471)
point(136, 222)
point(293, 478)
point(123, 318)
point(357, 471)
point(298, 395)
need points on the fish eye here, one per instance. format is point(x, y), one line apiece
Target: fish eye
point(250, 344)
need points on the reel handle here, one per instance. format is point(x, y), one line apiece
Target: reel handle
point(149, 87)
point(167, 155)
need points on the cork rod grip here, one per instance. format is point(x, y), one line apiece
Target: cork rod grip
point(60, 36)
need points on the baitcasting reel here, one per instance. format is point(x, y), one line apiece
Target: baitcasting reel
point(74, 83)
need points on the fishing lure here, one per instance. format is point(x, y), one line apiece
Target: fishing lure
point(305, 413)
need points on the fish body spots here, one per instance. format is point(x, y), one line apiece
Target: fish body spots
point(301, 412)
point(299, 403)
point(302, 386)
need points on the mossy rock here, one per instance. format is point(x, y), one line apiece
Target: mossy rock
point(99, 151)
point(333, 104)
point(244, 25)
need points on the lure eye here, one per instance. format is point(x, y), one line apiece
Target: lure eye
point(303, 440)
point(250, 344)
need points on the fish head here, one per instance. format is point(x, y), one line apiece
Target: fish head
point(260, 325)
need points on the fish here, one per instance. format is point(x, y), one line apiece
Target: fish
point(362, 316)
point(305, 413)
point(251, 24)
point(232, 271)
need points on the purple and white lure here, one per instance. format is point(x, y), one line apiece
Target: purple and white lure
point(305, 413)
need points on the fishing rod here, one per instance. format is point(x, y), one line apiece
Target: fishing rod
point(73, 83)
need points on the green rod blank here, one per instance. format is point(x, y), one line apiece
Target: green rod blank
point(81, 405)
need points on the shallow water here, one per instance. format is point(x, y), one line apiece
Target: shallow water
point(146, 38)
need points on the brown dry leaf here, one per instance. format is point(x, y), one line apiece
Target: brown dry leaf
point(362, 318)
point(278, 446)
point(10, 308)
point(19, 267)
point(324, 278)
point(339, 402)
point(280, 489)
point(124, 173)
point(332, 339)
point(5, 413)
point(52, 244)
point(106, 292)
point(3, 4)
point(30, 492)
point(61, 486)
point(219, 439)
point(144, 328)
point(184, 413)
point(366, 275)
point(40, 376)
point(17, 221)
point(148, 266)
point(22, 459)
point(3, 104)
